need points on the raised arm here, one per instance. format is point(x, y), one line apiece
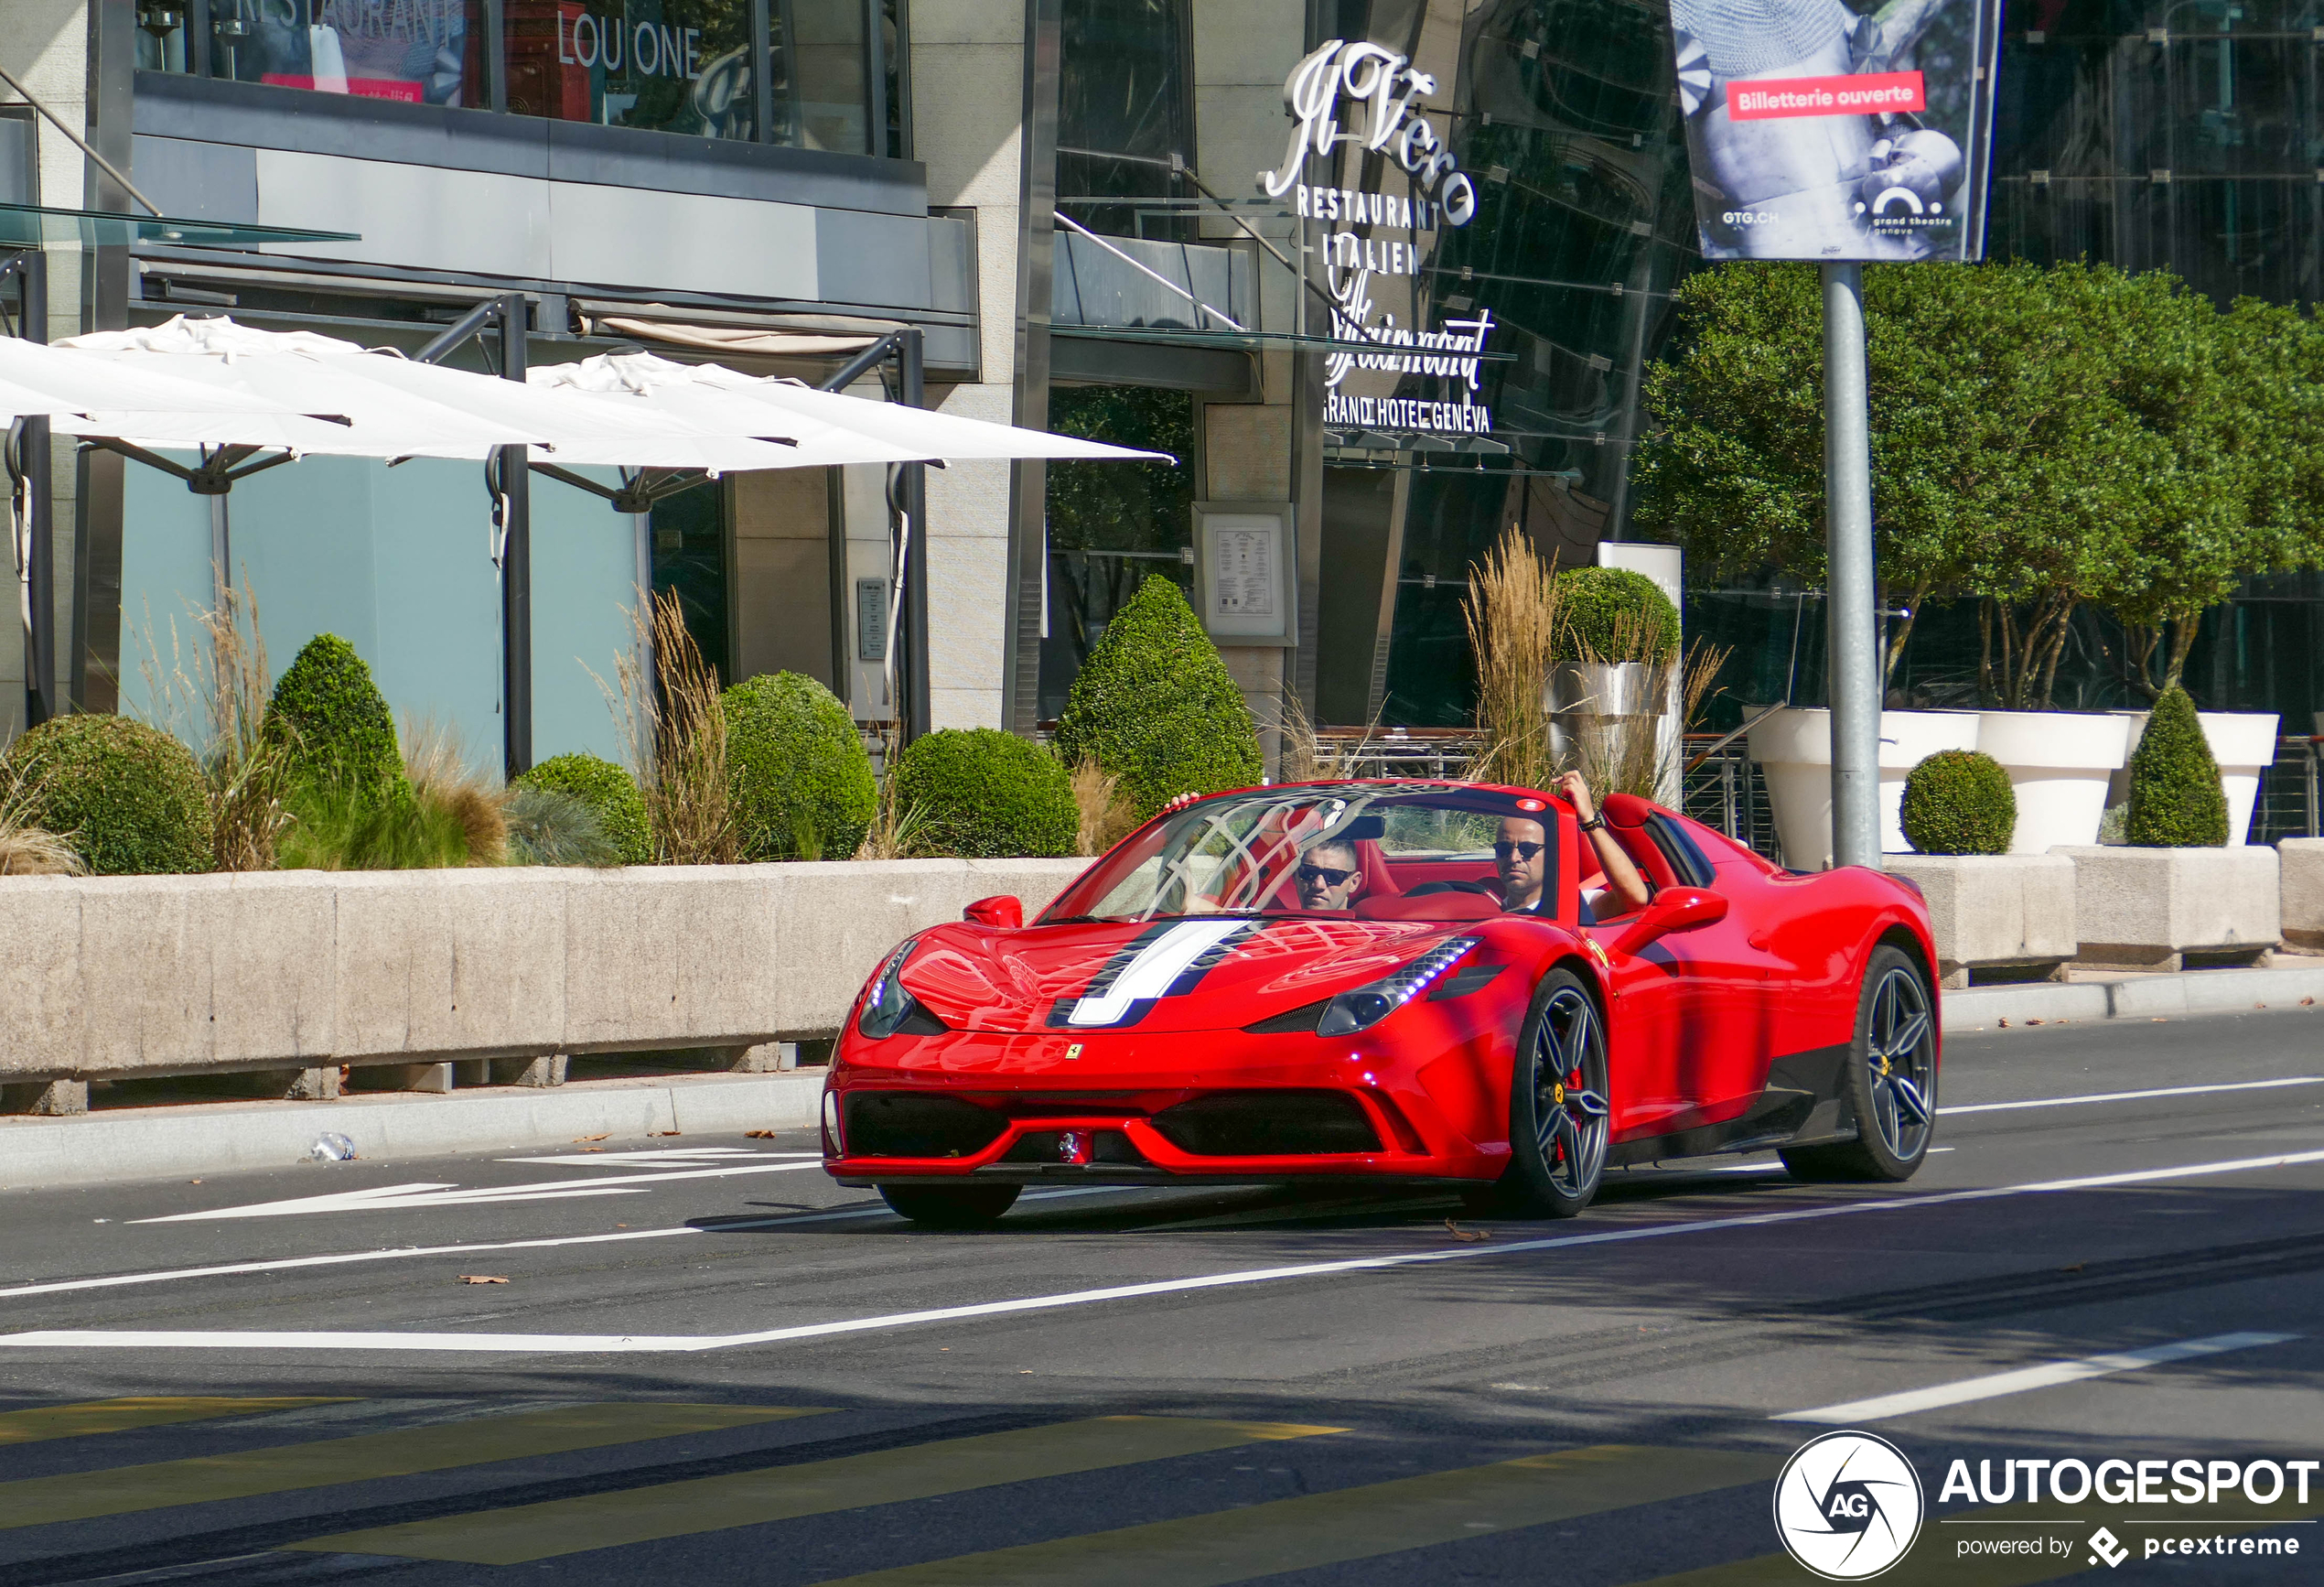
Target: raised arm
point(1622, 878)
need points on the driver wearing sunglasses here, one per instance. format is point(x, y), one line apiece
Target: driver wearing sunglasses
point(1518, 858)
point(1330, 875)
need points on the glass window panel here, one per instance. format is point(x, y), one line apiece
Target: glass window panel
point(1124, 112)
point(819, 92)
point(417, 51)
point(1112, 524)
point(680, 66)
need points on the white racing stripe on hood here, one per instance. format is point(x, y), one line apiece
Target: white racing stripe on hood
point(1149, 974)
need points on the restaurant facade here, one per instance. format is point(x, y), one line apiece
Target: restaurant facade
point(1383, 275)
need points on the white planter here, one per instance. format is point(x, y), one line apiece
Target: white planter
point(2243, 742)
point(1794, 752)
point(2060, 765)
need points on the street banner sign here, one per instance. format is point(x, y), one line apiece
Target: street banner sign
point(1820, 132)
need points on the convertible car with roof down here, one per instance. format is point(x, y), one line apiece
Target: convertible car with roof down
point(1392, 982)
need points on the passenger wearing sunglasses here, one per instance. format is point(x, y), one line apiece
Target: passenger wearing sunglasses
point(1330, 876)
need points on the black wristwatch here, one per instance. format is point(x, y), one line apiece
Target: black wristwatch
point(1594, 823)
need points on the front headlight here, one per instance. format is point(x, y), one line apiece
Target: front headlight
point(886, 1006)
point(1367, 1006)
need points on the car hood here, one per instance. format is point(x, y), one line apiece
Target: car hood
point(1196, 972)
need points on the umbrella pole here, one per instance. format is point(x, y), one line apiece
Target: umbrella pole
point(918, 719)
point(40, 564)
point(516, 564)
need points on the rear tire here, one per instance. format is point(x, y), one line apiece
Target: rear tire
point(1560, 1120)
point(949, 1206)
point(1891, 1080)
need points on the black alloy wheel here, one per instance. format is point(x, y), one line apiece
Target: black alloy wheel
point(1890, 1079)
point(1560, 1120)
point(951, 1206)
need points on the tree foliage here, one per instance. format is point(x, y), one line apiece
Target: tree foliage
point(2041, 439)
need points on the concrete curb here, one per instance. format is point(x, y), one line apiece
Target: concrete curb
point(2132, 997)
point(217, 1138)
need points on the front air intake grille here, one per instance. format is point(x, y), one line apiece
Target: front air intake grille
point(901, 1124)
point(1267, 1124)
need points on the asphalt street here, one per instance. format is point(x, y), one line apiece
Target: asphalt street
point(708, 1364)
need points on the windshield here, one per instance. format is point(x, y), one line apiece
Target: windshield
point(1380, 851)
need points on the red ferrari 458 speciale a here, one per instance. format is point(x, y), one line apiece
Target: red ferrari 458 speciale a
point(1396, 982)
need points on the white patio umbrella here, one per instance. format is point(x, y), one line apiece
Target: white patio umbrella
point(712, 395)
point(347, 401)
point(40, 381)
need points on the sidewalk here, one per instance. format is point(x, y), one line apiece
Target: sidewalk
point(2134, 997)
point(219, 1137)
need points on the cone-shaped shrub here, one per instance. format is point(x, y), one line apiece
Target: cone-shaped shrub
point(2176, 800)
point(801, 780)
point(1154, 705)
point(611, 795)
point(1959, 802)
point(1616, 614)
point(984, 794)
point(342, 734)
point(129, 799)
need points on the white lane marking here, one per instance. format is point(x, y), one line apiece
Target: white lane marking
point(1149, 974)
point(2028, 1377)
point(280, 1264)
point(443, 1195)
point(2131, 1096)
point(701, 1157)
point(615, 1344)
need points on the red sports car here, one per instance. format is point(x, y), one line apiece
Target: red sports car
point(1392, 981)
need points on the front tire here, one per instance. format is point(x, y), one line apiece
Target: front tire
point(1560, 1122)
point(951, 1206)
point(1890, 1081)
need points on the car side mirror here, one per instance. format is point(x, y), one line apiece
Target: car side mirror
point(1674, 909)
point(1003, 909)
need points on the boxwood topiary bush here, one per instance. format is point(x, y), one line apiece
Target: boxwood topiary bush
point(1959, 802)
point(2176, 800)
point(1593, 601)
point(342, 733)
point(802, 781)
point(611, 795)
point(1154, 705)
point(130, 798)
point(982, 792)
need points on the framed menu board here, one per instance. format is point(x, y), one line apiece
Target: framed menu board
point(1245, 583)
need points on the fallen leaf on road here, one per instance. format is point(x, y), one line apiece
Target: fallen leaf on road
point(482, 1278)
point(2002, 1023)
point(578, 1139)
point(1460, 1234)
point(758, 1135)
point(2033, 1022)
point(2075, 1268)
point(661, 1132)
point(593, 1148)
point(2307, 1002)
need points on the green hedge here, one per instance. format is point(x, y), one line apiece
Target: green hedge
point(2176, 800)
point(1959, 802)
point(1593, 600)
point(611, 795)
point(1154, 705)
point(982, 793)
point(343, 733)
point(801, 782)
point(130, 799)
